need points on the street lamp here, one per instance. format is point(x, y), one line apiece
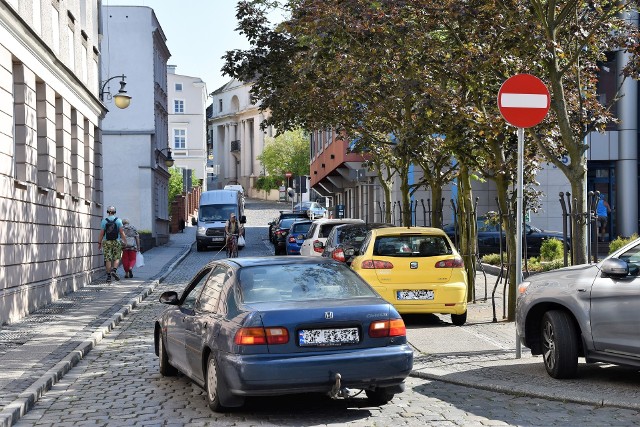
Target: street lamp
point(121, 99)
point(168, 162)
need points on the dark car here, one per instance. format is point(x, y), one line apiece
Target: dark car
point(588, 311)
point(282, 215)
point(297, 234)
point(281, 232)
point(489, 237)
point(345, 241)
point(277, 326)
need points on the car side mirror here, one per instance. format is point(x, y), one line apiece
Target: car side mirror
point(614, 267)
point(194, 221)
point(318, 245)
point(243, 219)
point(349, 252)
point(169, 297)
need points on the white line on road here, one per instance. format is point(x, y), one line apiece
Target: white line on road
point(474, 332)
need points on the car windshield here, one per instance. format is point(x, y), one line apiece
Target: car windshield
point(209, 213)
point(352, 235)
point(301, 282)
point(411, 246)
point(301, 228)
point(287, 222)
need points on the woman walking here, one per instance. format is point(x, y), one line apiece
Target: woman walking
point(130, 249)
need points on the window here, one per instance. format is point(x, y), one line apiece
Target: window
point(211, 292)
point(85, 67)
point(37, 20)
point(194, 289)
point(72, 49)
point(178, 106)
point(55, 30)
point(180, 139)
point(220, 105)
point(178, 87)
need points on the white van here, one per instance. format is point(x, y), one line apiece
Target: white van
point(213, 212)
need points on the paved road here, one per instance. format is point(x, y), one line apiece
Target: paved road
point(118, 382)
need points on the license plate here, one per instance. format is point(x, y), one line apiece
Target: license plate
point(416, 295)
point(217, 239)
point(322, 337)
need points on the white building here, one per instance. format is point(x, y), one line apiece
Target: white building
point(136, 139)
point(50, 151)
point(236, 138)
point(187, 122)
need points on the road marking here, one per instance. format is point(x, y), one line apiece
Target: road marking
point(523, 100)
point(483, 337)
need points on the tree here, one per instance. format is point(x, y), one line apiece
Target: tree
point(175, 184)
point(288, 152)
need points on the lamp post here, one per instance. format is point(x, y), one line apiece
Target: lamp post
point(121, 99)
point(168, 162)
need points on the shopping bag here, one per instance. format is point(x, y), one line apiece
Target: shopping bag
point(139, 260)
point(241, 241)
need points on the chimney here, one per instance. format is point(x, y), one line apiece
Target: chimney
point(171, 69)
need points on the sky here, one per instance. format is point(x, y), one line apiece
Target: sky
point(198, 32)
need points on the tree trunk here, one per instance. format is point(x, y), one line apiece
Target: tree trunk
point(436, 195)
point(406, 198)
point(467, 229)
point(579, 229)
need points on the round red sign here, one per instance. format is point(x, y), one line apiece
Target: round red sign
point(523, 100)
point(288, 174)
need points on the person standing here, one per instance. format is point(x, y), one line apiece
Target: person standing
point(130, 249)
point(602, 211)
point(113, 234)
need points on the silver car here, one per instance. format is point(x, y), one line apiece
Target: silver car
point(590, 311)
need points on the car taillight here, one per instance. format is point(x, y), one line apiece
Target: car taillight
point(387, 328)
point(319, 249)
point(338, 255)
point(450, 263)
point(261, 336)
point(376, 265)
point(278, 232)
point(292, 239)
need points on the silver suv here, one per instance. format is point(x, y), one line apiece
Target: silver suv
point(590, 311)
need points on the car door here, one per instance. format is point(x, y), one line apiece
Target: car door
point(615, 314)
point(176, 342)
point(203, 327)
point(307, 246)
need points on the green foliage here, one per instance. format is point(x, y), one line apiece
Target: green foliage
point(288, 152)
point(620, 242)
point(144, 231)
point(491, 259)
point(175, 184)
point(551, 249)
point(269, 182)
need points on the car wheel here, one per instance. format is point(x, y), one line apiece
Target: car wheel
point(166, 370)
point(559, 344)
point(213, 385)
point(379, 396)
point(459, 319)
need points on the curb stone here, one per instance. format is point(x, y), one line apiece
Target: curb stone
point(27, 399)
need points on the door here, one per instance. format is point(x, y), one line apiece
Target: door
point(203, 327)
point(615, 317)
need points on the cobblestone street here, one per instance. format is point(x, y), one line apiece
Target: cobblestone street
point(118, 382)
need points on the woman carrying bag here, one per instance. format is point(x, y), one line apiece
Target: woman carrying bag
point(130, 251)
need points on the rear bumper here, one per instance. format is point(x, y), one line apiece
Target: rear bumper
point(273, 374)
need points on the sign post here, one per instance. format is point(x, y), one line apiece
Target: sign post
point(289, 175)
point(524, 102)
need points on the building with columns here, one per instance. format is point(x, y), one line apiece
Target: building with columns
point(187, 123)
point(136, 179)
point(234, 137)
point(50, 151)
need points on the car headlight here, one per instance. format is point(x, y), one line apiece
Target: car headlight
point(201, 231)
point(522, 287)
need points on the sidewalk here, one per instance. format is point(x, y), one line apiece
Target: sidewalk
point(38, 350)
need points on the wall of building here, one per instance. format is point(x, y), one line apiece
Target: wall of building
point(50, 152)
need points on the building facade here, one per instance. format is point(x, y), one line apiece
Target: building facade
point(136, 142)
point(187, 122)
point(235, 138)
point(50, 151)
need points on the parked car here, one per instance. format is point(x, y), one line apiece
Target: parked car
point(489, 237)
point(345, 241)
point(588, 311)
point(417, 269)
point(313, 210)
point(281, 232)
point(313, 245)
point(296, 236)
point(277, 326)
point(282, 215)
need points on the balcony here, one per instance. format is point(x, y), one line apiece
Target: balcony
point(235, 146)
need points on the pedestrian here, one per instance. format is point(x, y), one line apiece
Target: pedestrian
point(130, 249)
point(111, 230)
point(602, 211)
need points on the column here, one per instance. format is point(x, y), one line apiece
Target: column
point(25, 122)
point(89, 165)
point(63, 146)
point(46, 112)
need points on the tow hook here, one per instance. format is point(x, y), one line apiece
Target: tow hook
point(337, 391)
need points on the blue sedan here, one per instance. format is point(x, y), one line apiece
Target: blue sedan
point(276, 326)
point(297, 234)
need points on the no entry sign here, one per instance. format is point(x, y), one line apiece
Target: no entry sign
point(523, 100)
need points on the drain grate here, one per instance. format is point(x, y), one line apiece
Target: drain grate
point(38, 318)
point(14, 337)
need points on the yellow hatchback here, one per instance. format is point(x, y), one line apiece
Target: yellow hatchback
point(417, 269)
